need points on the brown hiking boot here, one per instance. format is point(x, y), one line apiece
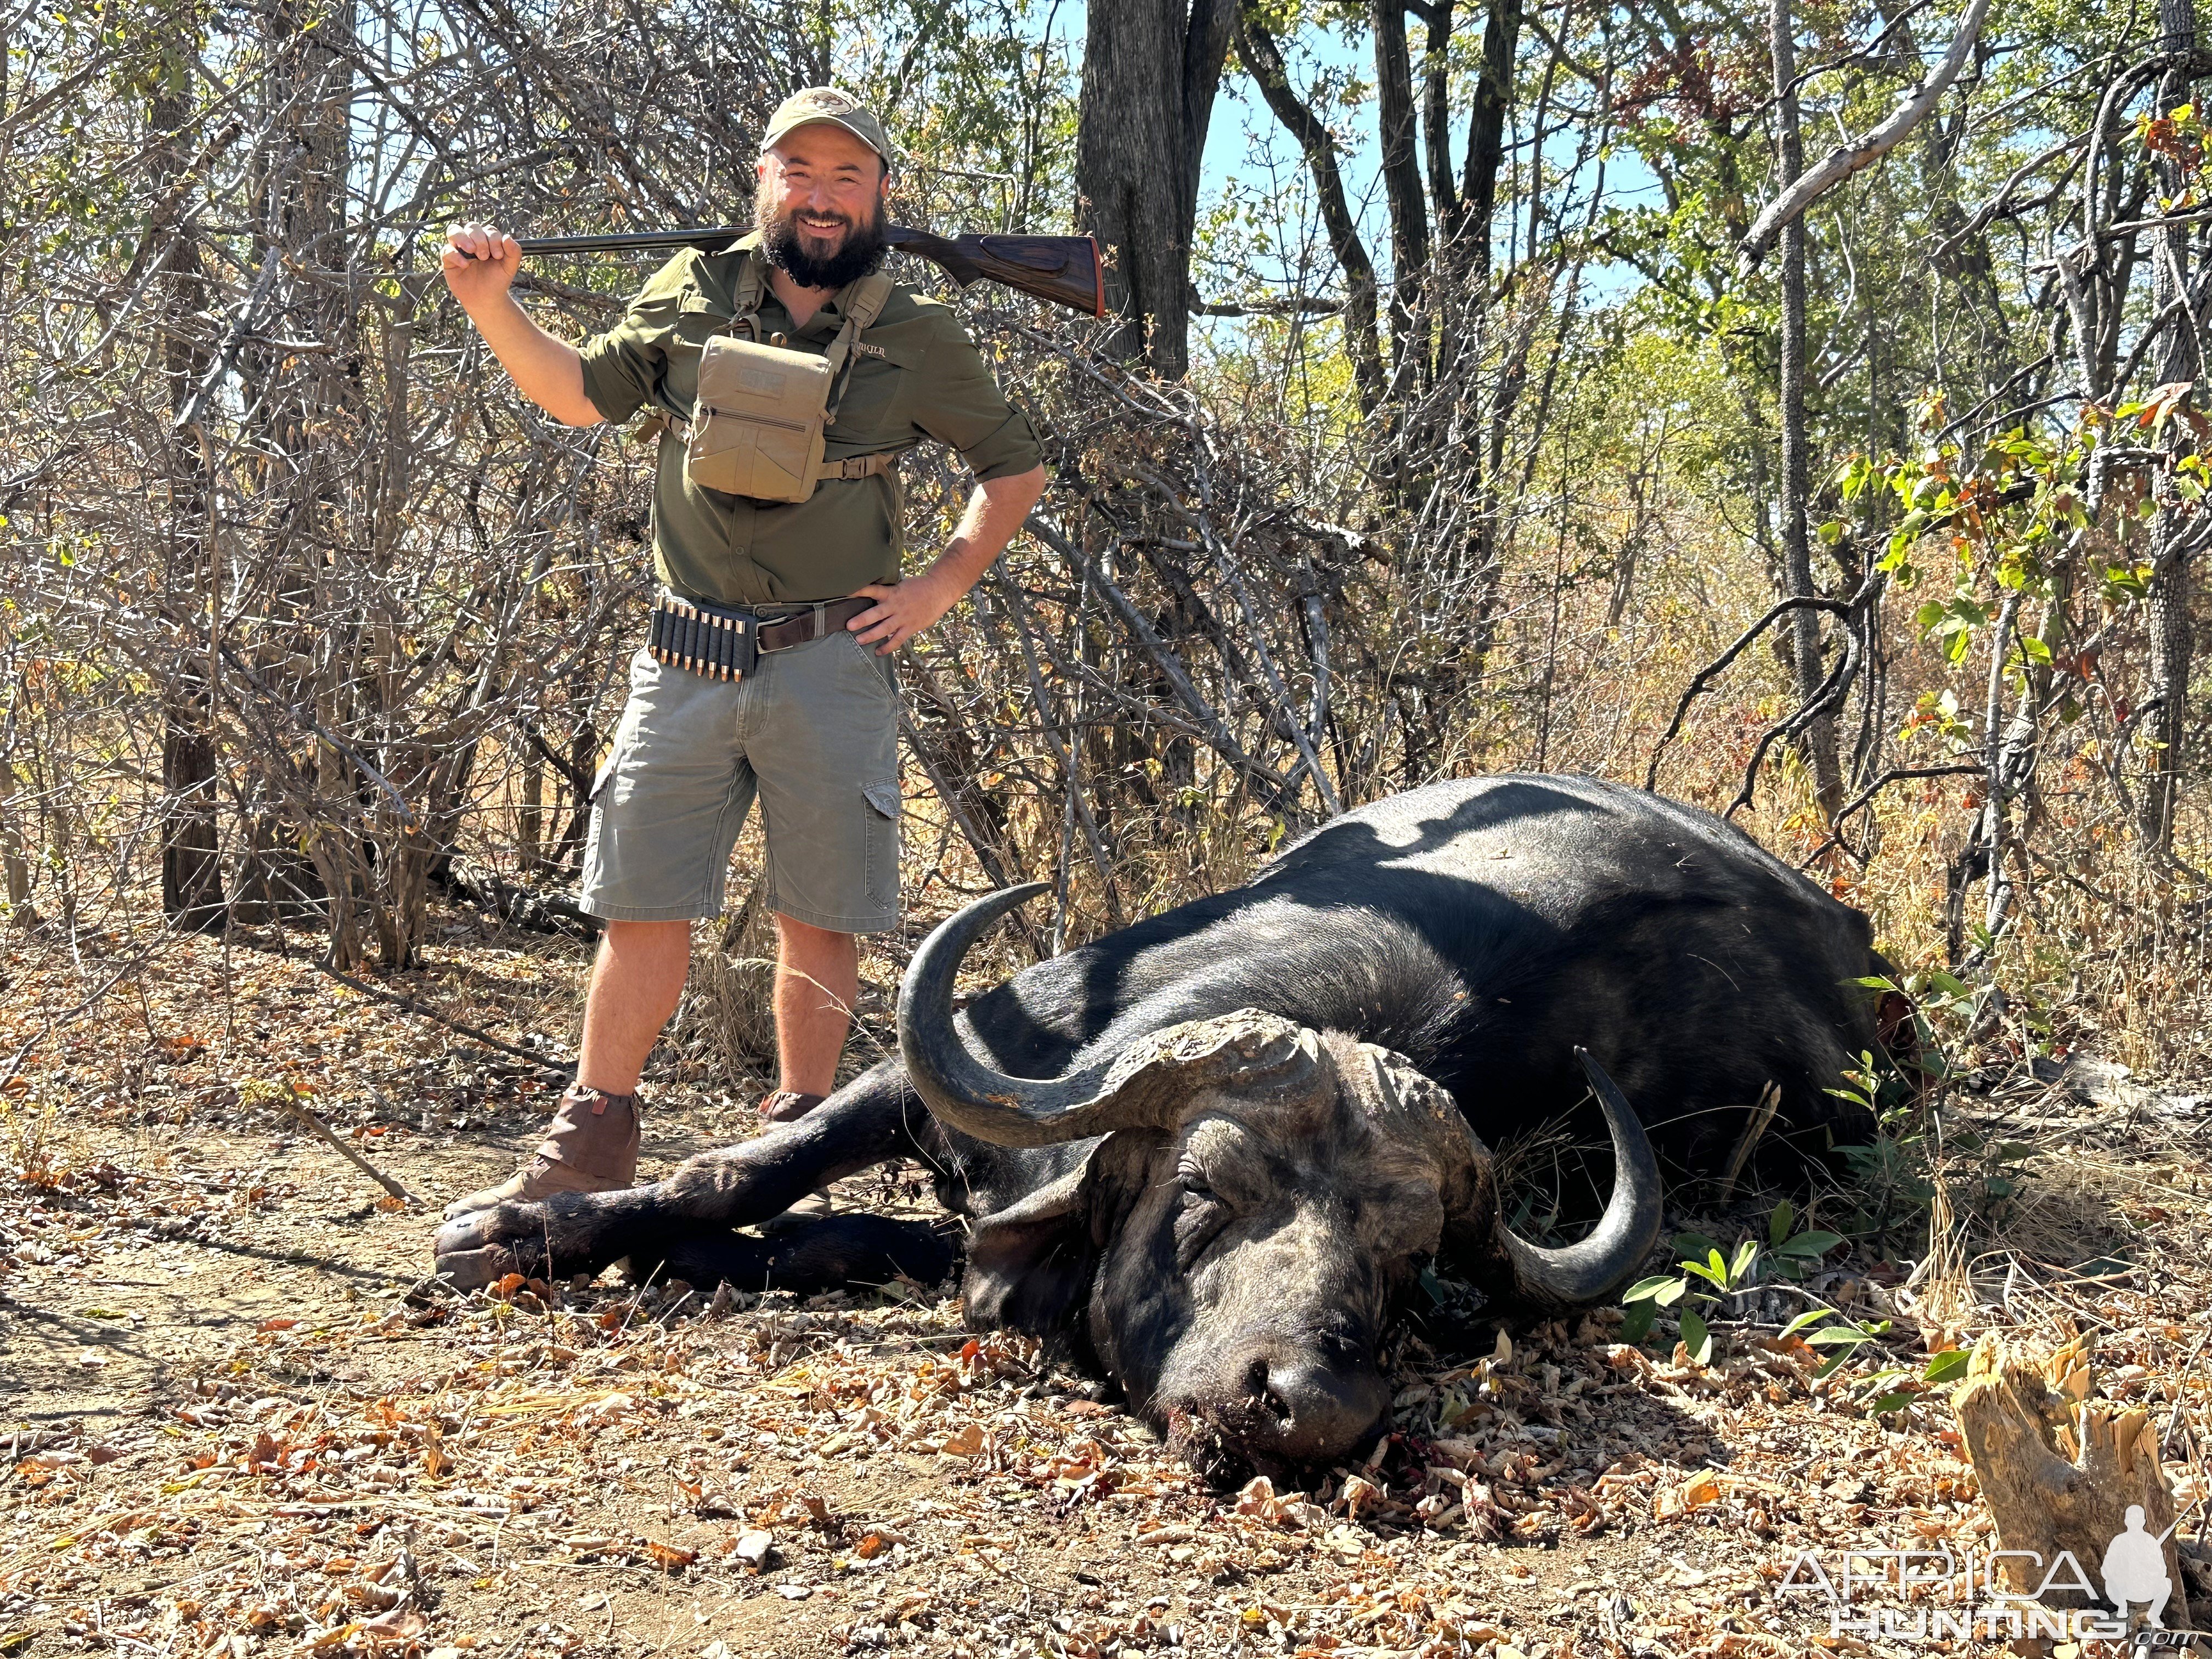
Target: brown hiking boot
point(785, 1106)
point(590, 1147)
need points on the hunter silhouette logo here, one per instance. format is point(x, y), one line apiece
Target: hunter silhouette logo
point(2135, 1569)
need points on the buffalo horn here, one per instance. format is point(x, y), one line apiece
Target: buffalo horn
point(1589, 1269)
point(1143, 1086)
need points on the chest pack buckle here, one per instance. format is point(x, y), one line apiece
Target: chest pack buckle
point(758, 428)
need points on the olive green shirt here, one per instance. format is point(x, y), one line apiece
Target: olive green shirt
point(917, 377)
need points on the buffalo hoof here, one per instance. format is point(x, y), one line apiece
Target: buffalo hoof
point(484, 1246)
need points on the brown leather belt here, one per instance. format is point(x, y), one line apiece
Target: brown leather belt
point(724, 643)
point(818, 621)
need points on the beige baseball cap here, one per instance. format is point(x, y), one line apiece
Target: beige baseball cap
point(813, 104)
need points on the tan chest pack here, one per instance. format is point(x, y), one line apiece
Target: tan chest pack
point(758, 428)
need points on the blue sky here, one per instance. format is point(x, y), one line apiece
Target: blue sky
point(1242, 123)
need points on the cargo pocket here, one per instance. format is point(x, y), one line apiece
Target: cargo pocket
point(881, 812)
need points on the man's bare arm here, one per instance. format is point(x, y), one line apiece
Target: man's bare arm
point(994, 512)
point(480, 263)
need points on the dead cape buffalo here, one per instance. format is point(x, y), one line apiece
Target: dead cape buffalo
point(1204, 1153)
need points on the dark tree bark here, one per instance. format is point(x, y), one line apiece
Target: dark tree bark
point(1485, 128)
point(191, 853)
point(1435, 123)
point(1795, 481)
point(1150, 69)
point(2172, 639)
point(1481, 560)
point(1402, 170)
point(1257, 51)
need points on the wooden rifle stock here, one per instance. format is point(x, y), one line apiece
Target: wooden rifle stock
point(1061, 269)
point(1064, 270)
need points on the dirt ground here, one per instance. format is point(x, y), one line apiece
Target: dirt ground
point(243, 1422)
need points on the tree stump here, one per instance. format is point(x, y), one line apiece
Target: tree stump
point(2060, 1471)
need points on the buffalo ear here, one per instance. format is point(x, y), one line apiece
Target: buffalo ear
point(1029, 1266)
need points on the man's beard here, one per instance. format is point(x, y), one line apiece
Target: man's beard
point(859, 256)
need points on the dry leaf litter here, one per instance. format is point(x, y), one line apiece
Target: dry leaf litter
point(240, 1423)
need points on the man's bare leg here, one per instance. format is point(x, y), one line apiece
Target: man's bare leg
point(817, 977)
point(636, 982)
point(592, 1145)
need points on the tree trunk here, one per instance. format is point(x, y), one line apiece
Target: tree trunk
point(15, 868)
point(1795, 468)
point(1150, 69)
point(1478, 565)
point(308, 424)
point(1401, 174)
point(1486, 131)
point(191, 857)
point(1435, 123)
point(192, 860)
point(1257, 51)
point(2062, 1472)
point(530, 817)
point(2172, 640)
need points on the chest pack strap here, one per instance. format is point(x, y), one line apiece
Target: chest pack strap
point(862, 466)
point(751, 289)
point(864, 302)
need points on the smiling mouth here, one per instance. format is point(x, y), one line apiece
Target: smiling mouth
point(822, 227)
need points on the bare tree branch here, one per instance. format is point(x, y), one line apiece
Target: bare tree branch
point(1842, 162)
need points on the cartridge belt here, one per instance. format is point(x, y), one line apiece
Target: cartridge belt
point(724, 643)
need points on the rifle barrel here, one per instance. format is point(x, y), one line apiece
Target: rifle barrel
point(712, 238)
point(1064, 270)
point(708, 237)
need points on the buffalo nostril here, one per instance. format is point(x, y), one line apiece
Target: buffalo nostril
point(1257, 1387)
point(1322, 1411)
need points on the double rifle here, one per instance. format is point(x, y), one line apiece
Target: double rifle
point(1064, 270)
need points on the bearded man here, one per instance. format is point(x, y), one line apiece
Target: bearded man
point(812, 730)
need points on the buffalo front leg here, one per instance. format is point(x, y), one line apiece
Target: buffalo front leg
point(735, 1187)
point(828, 1254)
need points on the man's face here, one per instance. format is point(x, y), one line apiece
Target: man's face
point(820, 206)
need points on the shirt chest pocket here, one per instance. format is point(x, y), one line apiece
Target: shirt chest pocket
point(698, 319)
point(869, 414)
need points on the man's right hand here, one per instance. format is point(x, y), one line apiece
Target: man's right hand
point(480, 262)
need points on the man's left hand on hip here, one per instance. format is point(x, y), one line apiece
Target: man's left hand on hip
point(995, 511)
point(901, 610)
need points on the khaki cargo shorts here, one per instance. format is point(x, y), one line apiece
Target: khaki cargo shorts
point(813, 732)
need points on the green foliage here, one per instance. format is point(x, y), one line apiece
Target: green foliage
point(1885, 1389)
point(2008, 518)
point(1896, 1175)
point(1707, 1278)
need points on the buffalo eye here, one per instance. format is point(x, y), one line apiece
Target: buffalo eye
point(1201, 1216)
